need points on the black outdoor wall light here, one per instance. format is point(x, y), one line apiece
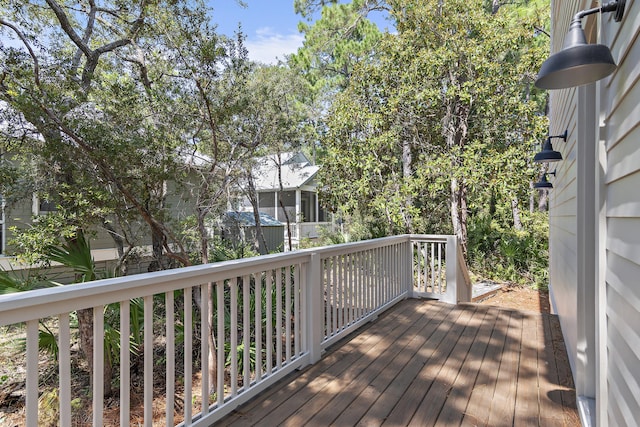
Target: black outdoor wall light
point(548, 154)
point(578, 62)
point(543, 183)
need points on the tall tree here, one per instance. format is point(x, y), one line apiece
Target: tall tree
point(437, 117)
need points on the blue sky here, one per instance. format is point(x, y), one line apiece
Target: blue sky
point(271, 26)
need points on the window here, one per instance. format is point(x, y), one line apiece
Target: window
point(42, 206)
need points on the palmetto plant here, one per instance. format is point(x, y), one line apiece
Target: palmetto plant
point(75, 254)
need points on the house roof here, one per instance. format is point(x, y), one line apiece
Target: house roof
point(247, 219)
point(297, 171)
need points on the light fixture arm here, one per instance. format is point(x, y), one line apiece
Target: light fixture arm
point(616, 6)
point(563, 135)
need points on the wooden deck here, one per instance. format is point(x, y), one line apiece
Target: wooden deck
point(427, 363)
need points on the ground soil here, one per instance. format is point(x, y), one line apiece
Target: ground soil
point(520, 298)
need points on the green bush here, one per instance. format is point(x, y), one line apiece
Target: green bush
point(502, 253)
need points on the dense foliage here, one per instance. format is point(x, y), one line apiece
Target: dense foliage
point(426, 130)
point(433, 134)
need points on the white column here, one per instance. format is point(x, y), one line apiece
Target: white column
point(275, 203)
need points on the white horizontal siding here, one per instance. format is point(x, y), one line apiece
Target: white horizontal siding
point(621, 112)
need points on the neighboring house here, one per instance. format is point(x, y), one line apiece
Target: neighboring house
point(594, 236)
point(23, 213)
point(298, 193)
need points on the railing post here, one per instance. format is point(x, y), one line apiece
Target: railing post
point(451, 294)
point(314, 308)
point(408, 268)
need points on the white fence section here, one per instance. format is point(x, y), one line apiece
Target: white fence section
point(222, 333)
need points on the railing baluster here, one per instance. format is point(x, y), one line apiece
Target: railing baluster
point(278, 335)
point(327, 294)
point(371, 278)
point(352, 288)
point(378, 276)
point(148, 359)
point(98, 365)
point(246, 332)
point(297, 316)
point(32, 373)
point(205, 297)
point(220, 313)
point(432, 267)
point(387, 273)
point(64, 369)
point(304, 317)
point(125, 363)
point(257, 279)
point(171, 358)
point(288, 302)
point(334, 290)
point(440, 265)
point(358, 284)
point(233, 343)
point(269, 341)
point(188, 352)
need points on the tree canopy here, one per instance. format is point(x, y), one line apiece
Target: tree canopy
point(426, 129)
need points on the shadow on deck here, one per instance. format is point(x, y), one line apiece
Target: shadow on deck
point(427, 363)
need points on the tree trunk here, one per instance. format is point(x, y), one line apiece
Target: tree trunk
point(543, 201)
point(85, 330)
point(459, 213)
point(259, 243)
point(517, 223)
point(280, 202)
point(532, 198)
point(122, 266)
point(407, 171)
point(213, 361)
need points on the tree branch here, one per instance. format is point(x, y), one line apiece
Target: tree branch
point(36, 65)
point(67, 28)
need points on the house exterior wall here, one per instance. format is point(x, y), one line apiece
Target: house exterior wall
point(595, 220)
point(178, 204)
point(620, 112)
point(563, 248)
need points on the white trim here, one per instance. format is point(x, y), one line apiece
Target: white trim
point(587, 411)
point(601, 374)
point(587, 237)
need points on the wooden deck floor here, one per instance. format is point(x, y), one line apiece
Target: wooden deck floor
point(427, 363)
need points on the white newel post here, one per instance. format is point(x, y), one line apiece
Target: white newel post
point(314, 308)
point(451, 294)
point(408, 267)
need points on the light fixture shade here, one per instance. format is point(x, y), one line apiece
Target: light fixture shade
point(578, 63)
point(548, 154)
point(543, 183)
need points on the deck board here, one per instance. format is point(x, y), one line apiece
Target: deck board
point(428, 363)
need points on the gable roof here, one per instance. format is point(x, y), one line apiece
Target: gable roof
point(297, 171)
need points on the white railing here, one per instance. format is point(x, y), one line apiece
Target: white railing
point(265, 317)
